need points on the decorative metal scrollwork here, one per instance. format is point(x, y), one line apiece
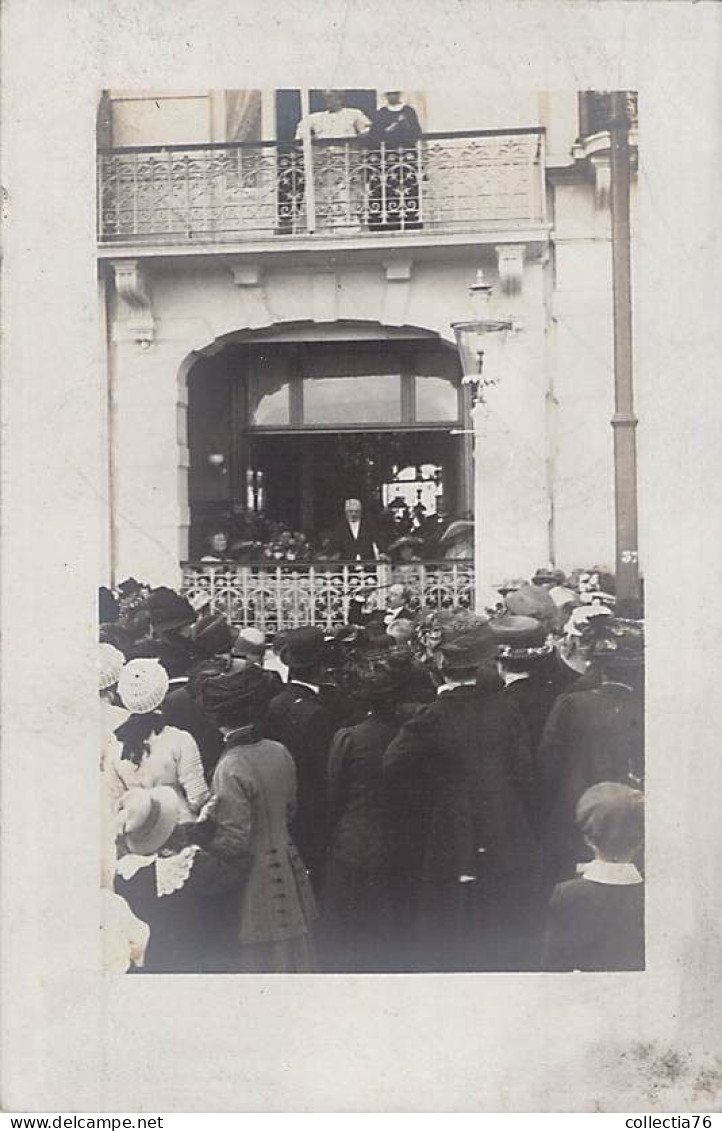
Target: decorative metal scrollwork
point(444, 183)
point(280, 597)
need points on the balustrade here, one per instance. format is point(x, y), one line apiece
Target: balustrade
point(276, 598)
point(243, 191)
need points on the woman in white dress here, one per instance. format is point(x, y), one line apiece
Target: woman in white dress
point(147, 751)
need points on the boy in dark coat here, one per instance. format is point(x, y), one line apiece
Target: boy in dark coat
point(596, 922)
point(461, 772)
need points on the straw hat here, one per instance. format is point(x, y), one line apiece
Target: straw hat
point(111, 661)
point(147, 817)
point(142, 685)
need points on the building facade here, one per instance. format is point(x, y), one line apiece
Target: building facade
point(278, 310)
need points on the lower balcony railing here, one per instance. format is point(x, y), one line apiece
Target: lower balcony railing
point(249, 191)
point(275, 598)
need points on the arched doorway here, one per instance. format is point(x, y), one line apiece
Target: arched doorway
point(283, 427)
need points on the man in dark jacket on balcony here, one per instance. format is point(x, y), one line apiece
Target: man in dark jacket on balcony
point(460, 777)
point(354, 539)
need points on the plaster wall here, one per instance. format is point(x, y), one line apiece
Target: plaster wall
point(582, 367)
point(544, 456)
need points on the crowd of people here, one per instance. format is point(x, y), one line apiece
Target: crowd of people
point(420, 790)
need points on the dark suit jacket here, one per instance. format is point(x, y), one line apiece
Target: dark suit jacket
point(181, 710)
point(595, 927)
point(356, 794)
point(590, 736)
point(345, 547)
point(305, 723)
point(468, 756)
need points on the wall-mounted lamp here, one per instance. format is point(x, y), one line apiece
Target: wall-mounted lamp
point(472, 338)
point(217, 462)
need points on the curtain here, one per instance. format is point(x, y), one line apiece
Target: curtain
point(243, 115)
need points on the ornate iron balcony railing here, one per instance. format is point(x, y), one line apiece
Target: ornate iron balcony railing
point(275, 598)
point(459, 182)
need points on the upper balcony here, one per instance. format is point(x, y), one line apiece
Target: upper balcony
point(446, 187)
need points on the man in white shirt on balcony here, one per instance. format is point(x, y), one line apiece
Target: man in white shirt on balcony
point(336, 120)
point(339, 187)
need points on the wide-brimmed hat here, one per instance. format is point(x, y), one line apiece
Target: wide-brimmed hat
point(564, 597)
point(142, 685)
point(548, 575)
point(377, 676)
point(213, 634)
point(147, 817)
point(611, 816)
point(130, 587)
point(303, 647)
point(466, 640)
point(617, 645)
point(168, 609)
point(510, 585)
point(250, 644)
point(521, 638)
point(532, 601)
point(410, 540)
point(239, 698)
point(459, 528)
point(111, 662)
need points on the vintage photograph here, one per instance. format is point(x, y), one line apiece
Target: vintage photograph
point(359, 491)
point(371, 659)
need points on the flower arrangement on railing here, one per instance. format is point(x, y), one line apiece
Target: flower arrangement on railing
point(287, 546)
point(263, 541)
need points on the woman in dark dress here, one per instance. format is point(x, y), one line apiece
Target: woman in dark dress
point(357, 891)
point(393, 191)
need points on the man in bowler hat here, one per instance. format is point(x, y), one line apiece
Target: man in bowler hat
point(304, 717)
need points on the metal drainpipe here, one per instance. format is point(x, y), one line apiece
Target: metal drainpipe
point(624, 421)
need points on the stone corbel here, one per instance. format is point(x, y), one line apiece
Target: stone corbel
point(398, 273)
point(248, 276)
point(510, 260)
point(602, 179)
point(595, 151)
point(133, 288)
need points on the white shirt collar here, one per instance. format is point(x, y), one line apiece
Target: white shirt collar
point(355, 528)
point(611, 872)
point(313, 686)
point(451, 684)
point(513, 677)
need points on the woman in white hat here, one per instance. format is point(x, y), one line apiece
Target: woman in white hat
point(150, 753)
point(110, 665)
point(174, 881)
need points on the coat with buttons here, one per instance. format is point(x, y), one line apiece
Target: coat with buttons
point(255, 789)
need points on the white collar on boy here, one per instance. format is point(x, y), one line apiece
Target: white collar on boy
point(611, 872)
